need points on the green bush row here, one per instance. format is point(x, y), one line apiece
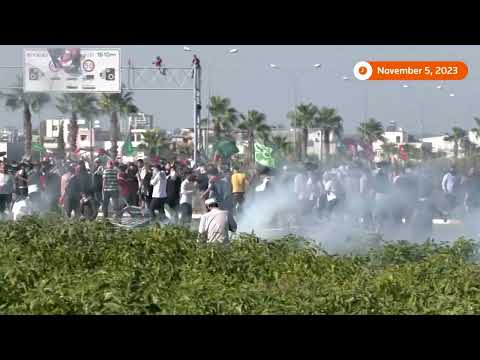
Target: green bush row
point(52, 266)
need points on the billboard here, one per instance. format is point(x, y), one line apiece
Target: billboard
point(71, 70)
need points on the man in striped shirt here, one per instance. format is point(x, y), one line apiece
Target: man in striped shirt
point(110, 189)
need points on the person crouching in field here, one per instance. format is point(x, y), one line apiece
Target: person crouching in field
point(215, 224)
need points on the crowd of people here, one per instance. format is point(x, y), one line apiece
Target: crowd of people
point(377, 198)
point(380, 199)
point(163, 190)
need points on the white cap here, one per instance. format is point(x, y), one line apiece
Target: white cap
point(211, 201)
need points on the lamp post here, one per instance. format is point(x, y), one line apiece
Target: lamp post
point(295, 77)
point(209, 77)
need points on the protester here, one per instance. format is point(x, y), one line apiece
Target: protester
point(147, 188)
point(21, 180)
point(216, 223)
point(132, 183)
point(7, 188)
point(122, 179)
point(186, 199)
point(110, 189)
point(159, 193)
point(239, 185)
point(450, 187)
point(173, 193)
point(71, 201)
point(88, 207)
point(98, 181)
point(202, 180)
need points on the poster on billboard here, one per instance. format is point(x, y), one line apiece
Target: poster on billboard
point(72, 70)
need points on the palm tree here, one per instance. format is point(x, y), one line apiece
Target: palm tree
point(224, 117)
point(412, 151)
point(115, 105)
point(457, 137)
point(77, 105)
point(303, 116)
point(330, 122)
point(254, 123)
point(28, 102)
point(154, 143)
point(389, 149)
point(476, 130)
point(281, 147)
point(371, 131)
point(61, 142)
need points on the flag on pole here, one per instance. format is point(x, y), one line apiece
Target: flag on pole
point(263, 155)
point(226, 148)
point(127, 147)
point(38, 147)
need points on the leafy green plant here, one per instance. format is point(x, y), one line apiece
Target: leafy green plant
point(49, 266)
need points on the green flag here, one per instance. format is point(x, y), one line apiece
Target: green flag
point(263, 155)
point(127, 148)
point(38, 147)
point(226, 148)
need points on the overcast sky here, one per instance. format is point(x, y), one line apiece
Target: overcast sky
point(250, 83)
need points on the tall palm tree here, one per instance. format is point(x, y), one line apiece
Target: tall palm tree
point(77, 105)
point(254, 123)
point(303, 116)
point(458, 137)
point(281, 147)
point(224, 116)
point(154, 143)
point(371, 131)
point(330, 122)
point(115, 105)
point(61, 142)
point(17, 99)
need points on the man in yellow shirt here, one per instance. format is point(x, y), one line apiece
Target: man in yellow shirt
point(239, 185)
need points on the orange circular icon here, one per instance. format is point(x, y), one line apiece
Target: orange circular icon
point(362, 70)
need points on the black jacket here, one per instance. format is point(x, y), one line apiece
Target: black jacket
point(173, 190)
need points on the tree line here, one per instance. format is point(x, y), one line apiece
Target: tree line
point(73, 105)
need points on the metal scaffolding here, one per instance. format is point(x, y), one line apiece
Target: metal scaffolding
point(142, 79)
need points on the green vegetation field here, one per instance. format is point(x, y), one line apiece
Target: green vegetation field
point(51, 266)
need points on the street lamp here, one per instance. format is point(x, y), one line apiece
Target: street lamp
point(209, 77)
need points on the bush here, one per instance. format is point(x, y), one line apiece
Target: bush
point(52, 266)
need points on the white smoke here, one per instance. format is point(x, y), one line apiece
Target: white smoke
point(270, 215)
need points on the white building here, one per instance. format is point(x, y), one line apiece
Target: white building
point(393, 135)
point(138, 121)
point(440, 144)
point(9, 135)
point(51, 134)
point(315, 144)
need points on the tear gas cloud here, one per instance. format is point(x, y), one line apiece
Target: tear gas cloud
point(277, 212)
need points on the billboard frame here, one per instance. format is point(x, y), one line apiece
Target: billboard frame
point(79, 91)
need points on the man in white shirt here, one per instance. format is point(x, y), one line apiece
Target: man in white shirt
point(159, 194)
point(186, 199)
point(450, 184)
point(215, 224)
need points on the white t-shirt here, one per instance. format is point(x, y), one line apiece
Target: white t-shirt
point(159, 183)
point(186, 192)
point(216, 225)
